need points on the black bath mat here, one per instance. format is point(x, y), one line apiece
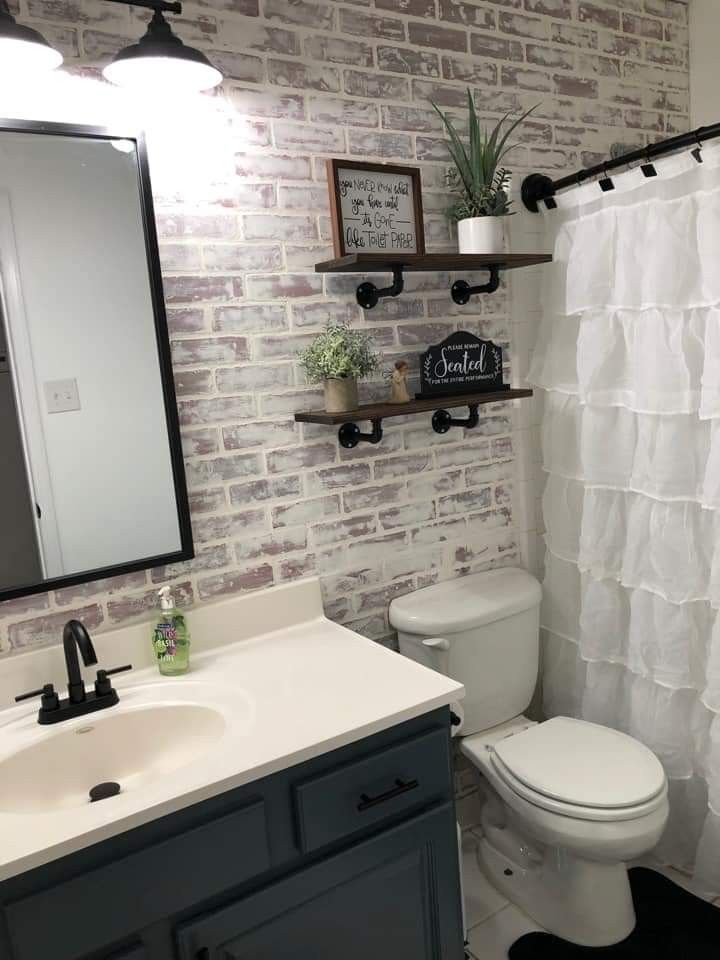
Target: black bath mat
point(672, 924)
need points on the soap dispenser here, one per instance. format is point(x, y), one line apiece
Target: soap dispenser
point(171, 637)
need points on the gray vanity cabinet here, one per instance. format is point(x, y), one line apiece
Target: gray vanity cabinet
point(351, 854)
point(381, 899)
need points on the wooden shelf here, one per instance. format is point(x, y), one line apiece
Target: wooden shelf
point(369, 295)
point(383, 411)
point(425, 262)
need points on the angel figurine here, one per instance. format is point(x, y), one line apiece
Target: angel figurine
point(398, 390)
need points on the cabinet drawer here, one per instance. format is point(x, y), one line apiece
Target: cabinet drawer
point(108, 904)
point(366, 792)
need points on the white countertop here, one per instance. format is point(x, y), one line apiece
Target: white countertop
point(290, 693)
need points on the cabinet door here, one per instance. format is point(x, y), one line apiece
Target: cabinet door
point(137, 952)
point(394, 897)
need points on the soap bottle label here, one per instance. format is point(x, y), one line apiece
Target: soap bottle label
point(165, 640)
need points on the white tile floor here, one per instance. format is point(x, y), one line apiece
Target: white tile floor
point(493, 923)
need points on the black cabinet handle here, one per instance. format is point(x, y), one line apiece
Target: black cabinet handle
point(400, 787)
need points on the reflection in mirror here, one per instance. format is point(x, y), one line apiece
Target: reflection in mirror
point(91, 482)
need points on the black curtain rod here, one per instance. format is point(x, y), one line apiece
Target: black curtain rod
point(537, 187)
point(159, 6)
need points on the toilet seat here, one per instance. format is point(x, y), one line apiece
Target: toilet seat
point(576, 811)
point(576, 769)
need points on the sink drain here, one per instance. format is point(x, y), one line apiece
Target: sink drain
point(102, 791)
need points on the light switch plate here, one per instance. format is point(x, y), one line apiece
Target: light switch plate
point(61, 396)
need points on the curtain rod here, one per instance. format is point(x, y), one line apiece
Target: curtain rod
point(537, 187)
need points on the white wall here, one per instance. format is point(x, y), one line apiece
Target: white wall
point(704, 62)
point(83, 274)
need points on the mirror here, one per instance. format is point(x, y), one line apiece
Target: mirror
point(92, 482)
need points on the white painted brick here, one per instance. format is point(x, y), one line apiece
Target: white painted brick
point(242, 231)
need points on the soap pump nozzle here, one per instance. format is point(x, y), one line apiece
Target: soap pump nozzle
point(166, 599)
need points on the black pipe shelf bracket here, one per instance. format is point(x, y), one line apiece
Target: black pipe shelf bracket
point(461, 291)
point(350, 434)
point(368, 295)
point(442, 421)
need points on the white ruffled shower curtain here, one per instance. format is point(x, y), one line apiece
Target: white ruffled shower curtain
point(628, 364)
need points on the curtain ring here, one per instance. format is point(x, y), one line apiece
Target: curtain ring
point(605, 183)
point(697, 154)
point(648, 168)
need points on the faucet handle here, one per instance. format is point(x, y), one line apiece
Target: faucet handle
point(30, 695)
point(102, 684)
point(109, 673)
point(50, 700)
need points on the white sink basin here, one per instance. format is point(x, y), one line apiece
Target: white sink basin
point(131, 747)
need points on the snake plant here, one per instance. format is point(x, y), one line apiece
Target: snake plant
point(478, 179)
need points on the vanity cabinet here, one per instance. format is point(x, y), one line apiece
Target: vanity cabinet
point(352, 854)
point(380, 899)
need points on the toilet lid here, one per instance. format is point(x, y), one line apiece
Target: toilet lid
point(581, 763)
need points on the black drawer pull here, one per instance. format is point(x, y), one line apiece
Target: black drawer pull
point(400, 787)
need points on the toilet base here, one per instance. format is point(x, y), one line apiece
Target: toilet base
point(582, 901)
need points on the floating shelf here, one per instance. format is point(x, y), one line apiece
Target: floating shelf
point(368, 294)
point(350, 434)
point(427, 262)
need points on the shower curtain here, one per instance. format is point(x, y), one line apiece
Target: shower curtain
point(628, 365)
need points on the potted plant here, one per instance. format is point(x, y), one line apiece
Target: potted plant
point(337, 357)
point(479, 181)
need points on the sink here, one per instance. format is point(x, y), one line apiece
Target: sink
point(131, 747)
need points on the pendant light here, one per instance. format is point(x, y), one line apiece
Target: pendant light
point(23, 51)
point(160, 61)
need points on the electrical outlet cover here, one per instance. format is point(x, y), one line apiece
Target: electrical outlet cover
point(61, 396)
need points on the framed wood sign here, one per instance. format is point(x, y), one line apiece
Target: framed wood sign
point(462, 363)
point(375, 207)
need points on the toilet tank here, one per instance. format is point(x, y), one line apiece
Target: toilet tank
point(490, 625)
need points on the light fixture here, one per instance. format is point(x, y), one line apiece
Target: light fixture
point(23, 51)
point(160, 61)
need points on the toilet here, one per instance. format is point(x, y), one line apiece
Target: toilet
point(567, 802)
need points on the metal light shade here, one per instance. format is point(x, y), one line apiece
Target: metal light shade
point(23, 51)
point(160, 60)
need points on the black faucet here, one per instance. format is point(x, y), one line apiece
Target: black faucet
point(76, 637)
point(78, 701)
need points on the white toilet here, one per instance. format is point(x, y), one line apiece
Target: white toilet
point(568, 802)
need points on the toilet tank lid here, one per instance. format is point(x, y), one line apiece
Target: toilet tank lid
point(472, 601)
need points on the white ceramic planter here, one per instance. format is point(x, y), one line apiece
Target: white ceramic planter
point(482, 235)
point(341, 395)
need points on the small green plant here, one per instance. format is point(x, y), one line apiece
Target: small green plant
point(478, 179)
point(339, 353)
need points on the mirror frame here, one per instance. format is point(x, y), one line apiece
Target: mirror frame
point(162, 338)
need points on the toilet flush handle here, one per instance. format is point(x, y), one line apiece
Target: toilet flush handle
point(439, 643)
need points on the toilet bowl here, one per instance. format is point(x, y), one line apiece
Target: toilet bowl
point(567, 802)
point(556, 844)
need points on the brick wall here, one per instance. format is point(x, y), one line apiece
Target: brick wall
point(242, 215)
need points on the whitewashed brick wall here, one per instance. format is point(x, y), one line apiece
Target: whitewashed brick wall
point(307, 79)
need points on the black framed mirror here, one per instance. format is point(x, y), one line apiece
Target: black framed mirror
point(92, 483)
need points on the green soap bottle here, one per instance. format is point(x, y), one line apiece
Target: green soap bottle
point(171, 637)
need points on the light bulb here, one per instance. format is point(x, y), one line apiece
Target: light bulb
point(162, 73)
point(23, 51)
point(160, 61)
